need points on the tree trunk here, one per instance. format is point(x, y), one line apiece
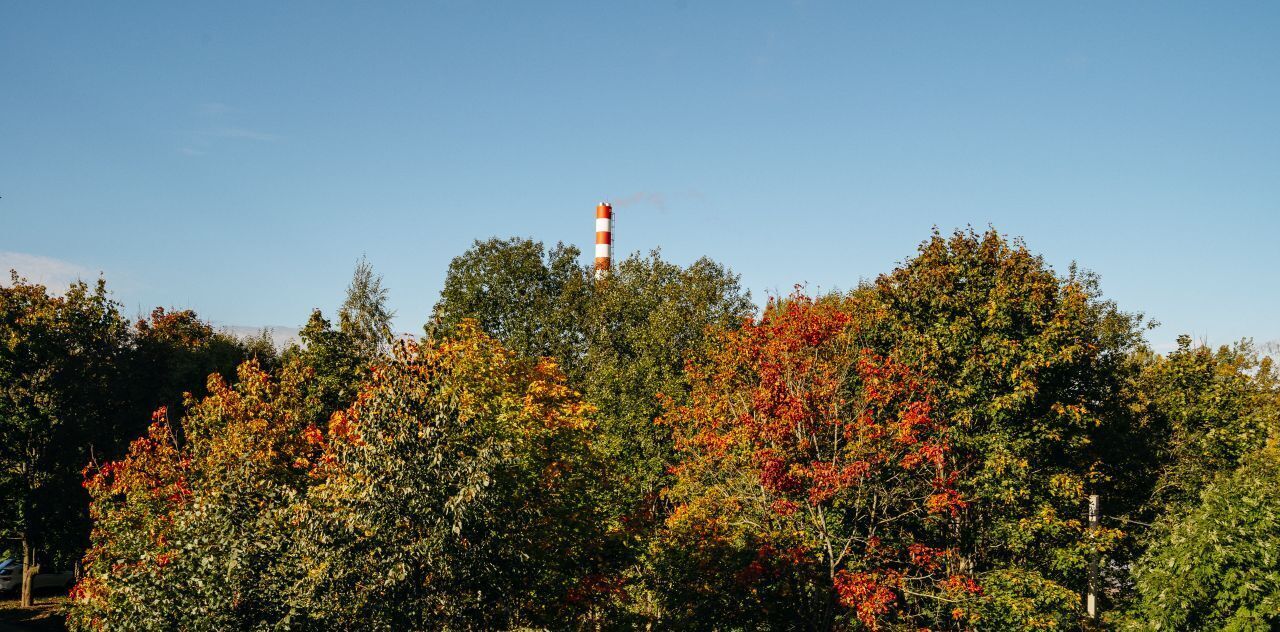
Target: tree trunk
point(28, 569)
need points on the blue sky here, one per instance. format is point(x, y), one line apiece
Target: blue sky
point(238, 158)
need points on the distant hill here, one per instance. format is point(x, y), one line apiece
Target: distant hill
point(281, 335)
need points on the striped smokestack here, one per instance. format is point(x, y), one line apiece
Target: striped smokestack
point(604, 238)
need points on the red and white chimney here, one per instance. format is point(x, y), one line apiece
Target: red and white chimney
point(604, 239)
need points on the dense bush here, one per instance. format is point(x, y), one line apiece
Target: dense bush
point(454, 492)
point(639, 451)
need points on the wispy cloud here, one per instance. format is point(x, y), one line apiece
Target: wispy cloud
point(218, 122)
point(1077, 60)
point(215, 109)
point(55, 274)
point(240, 133)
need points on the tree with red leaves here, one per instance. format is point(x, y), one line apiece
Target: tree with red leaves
point(815, 485)
point(196, 533)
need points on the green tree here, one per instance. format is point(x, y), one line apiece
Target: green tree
point(1030, 369)
point(1215, 566)
point(1207, 409)
point(531, 299)
point(339, 358)
point(334, 360)
point(364, 315)
point(623, 343)
point(451, 496)
point(1204, 411)
point(60, 396)
point(643, 323)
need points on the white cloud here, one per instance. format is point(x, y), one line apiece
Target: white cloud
point(55, 274)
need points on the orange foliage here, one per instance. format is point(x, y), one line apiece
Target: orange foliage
point(800, 437)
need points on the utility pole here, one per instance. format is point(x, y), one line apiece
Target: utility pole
point(1091, 599)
